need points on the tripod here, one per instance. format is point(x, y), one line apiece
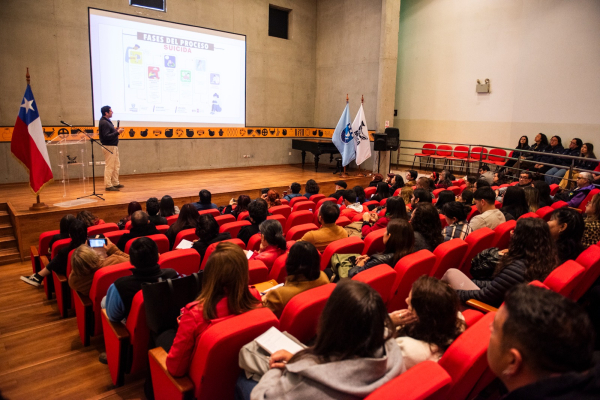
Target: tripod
point(94, 194)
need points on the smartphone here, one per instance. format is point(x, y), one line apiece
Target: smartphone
point(96, 242)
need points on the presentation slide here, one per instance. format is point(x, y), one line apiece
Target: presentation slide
point(160, 73)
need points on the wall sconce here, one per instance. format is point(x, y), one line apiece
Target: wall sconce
point(483, 87)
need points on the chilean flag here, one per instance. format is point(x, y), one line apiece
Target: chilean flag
point(28, 143)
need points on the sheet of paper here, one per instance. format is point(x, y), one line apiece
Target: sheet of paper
point(249, 254)
point(185, 244)
point(271, 288)
point(273, 340)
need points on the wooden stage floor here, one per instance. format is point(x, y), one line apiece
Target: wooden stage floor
point(182, 186)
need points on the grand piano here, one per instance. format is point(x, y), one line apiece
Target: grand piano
point(315, 146)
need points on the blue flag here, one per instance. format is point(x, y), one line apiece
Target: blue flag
point(343, 139)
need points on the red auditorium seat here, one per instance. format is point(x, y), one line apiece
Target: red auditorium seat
point(213, 246)
point(101, 229)
point(529, 215)
point(243, 215)
point(436, 192)
point(397, 192)
point(587, 199)
point(88, 309)
point(545, 213)
point(257, 272)
point(296, 232)
point(214, 367)
point(224, 219)
point(443, 221)
point(284, 202)
point(559, 204)
point(298, 218)
point(301, 314)
point(380, 277)
point(213, 211)
point(162, 228)
point(278, 271)
point(471, 316)
point(254, 242)
point(554, 188)
point(342, 221)
point(374, 242)
point(340, 200)
point(233, 227)
point(279, 218)
point(502, 234)
point(564, 278)
point(316, 197)
point(496, 157)
point(426, 380)
point(461, 153)
point(128, 226)
point(444, 151)
point(498, 204)
point(427, 151)
point(408, 270)
point(590, 260)
point(184, 261)
point(473, 213)
point(48, 280)
point(369, 191)
point(466, 358)
point(455, 190)
point(62, 291)
point(342, 246)
point(371, 202)
point(320, 202)
point(478, 154)
point(127, 344)
point(304, 205)
point(41, 250)
point(115, 236)
point(172, 219)
point(161, 240)
point(449, 254)
point(281, 210)
point(187, 234)
point(297, 200)
point(477, 241)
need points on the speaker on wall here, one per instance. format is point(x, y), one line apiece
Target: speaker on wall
point(379, 142)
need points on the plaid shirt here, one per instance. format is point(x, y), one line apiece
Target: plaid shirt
point(458, 230)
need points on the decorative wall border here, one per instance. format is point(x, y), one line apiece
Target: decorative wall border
point(140, 133)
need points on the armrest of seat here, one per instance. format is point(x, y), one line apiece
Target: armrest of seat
point(84, 310)
point(63, 294)
point(165, 385)
point(117, 329)
point(478, 305)
point(48, 280)
point(116, 342)
point(35, 259)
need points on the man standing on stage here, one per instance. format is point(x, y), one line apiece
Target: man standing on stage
point(109, 137)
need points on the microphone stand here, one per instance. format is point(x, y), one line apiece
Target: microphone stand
point(92, 141)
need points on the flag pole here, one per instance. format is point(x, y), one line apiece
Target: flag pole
point(38, 205)
point(362, 100)
point(344, 174)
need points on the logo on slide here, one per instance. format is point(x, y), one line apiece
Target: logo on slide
point(284, 133)
point(169, 133)
point(157, 132)
point(211, 133)
point(131, 133)
point(170, 61)
point(201, 65)
point(242, 132)
point(153, 73)
point(179, 132)
point(189, 132)
point(144, 133)
point(200, 132)
point(186, 76)
point(215, 79)
point(220, 132)
point(265, 132)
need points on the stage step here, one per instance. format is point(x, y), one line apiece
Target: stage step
point(9, 255)
point(6, 229)
point(7, 242)
point(4, 217)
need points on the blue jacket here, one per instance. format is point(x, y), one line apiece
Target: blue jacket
point(548, 155)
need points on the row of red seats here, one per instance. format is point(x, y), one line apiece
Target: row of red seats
point(445, 152)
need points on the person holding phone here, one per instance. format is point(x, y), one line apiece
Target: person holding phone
point(109, 137)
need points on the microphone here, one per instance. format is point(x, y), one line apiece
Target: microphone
point(118, 123)
point(64, 123)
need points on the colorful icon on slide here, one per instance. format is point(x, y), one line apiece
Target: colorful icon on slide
point(153, 73)
point(170, 61)
point(186, 76)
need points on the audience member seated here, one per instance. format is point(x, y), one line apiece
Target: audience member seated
point(485, 173)
point(555, 174)
point(532, 196)
point(426, 223)
point(587, 151)
point(431, 322)
point(585, 184)
point(539, 145)
point(531, 255)
point(481, 182)
point(541, 347)
point(411, 178)
point(548, 156)
point(525, 180)
point(354, 353)
point(207, 231)
point(523, 145)
point(187, 219)
point(329, 231)
point(399, 240)
point(295, 191)
point(340, 188)
point(514, 204)
point(168, 207)
point(383, 192)
point(272, 198)
point(353, 207)
point(544, 192)
point(445, 196)
point(224, 292)
point(88, 218)
point(303, 273)
point(205, 202)
point(471, 180)
point(272, 242)
point(485, 201)
point(566, 227)
point(420, 196)
point(140, 226)
point(78, 234)
point(425, 183)
point(444, 180)
point(153, 210)
point(65, 223)
point(395, 208)
point(591, 233)
point(311, 188)
point(257, 213)
point(466, 197)
point(131, 208)
point(456, 217)
point(360, 194)
point(397, 183)
point(241, 204)
point(500, 178)
point(86, 261)
point(406, 194)
point(377, 179)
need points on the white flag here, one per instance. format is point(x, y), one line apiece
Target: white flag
point(361, 137)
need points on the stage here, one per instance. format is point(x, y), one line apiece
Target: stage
point(182, 186)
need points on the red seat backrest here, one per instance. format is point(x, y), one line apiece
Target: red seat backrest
point(370, 191)
point(449, 254)
point(243, 215)
point(342, 221)
point(545, 213)
point(301, 314)
point(296, 232)
point(161, 240)
point(426, 380)
point(304, 205)
point(408, 270)
point(497, 155)
point(128, 225)
point(162, 228)
point(298, 218)
point(58, 245)
point(103, 278)
point(587, 199)
point(590, 260)
point(44, 242)
point(466, 358)
point(455, 190)
point(372, 202)
point(477, 241)
point(529, 215)
point(374, 242)
point(282, 210)
point(297, 200)
point(461, 151)
point(115, 236)
point(214, 367)
point(381, 278)
point(320, 202)
point(559, 204)
point(184, 261)
point(429, 148)
point(479, 153)
point(565, 277)
point(278, 217)
point(213, 211)
point(502, 235)
point(257, 272)
point(472, 213)
point(187, 234)
point(172, 219)
point(254, 242)
point(278, 270)
point(139, 334)
point(349, 245)
point(103, 228)
point(224, 219)
point(316, 197)
point(444, 150)
point(284, 202)
point(213, 246)
point(233, 227)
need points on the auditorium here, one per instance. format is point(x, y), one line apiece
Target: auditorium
point(328, 199)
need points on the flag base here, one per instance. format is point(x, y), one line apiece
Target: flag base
point(38, 207)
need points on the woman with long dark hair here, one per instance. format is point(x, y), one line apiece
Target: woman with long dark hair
point(360, 194)
point(188, 219)
point(523, 145)
point(567, 226)
point(431, 322)
point(395, 208)
point(427, 226)
point(399, 241)
point(88, 218)
point(532, 196)
point(272, 242)
point(383, 192)
point(544, 193)
point(591, 233)
point(354, 352)
point(444, 180)
point(207, 231)
point(531, 255)
point(167, 207)
point(131, 208)
point(445, 196)
point(241, 204)
point(514, 204)
point(548, 155)
point(456, 217)
point(65, 223)
point(397, 183)
point(587, 151)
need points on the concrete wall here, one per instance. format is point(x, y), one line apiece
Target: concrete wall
point(542, 59)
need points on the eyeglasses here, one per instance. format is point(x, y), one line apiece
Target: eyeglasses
point(524, 177)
